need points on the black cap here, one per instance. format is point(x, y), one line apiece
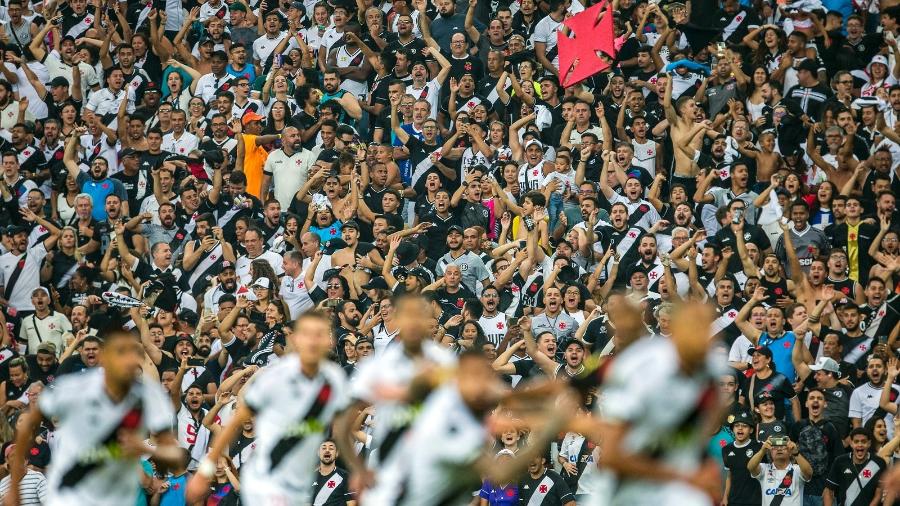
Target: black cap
point(809, 65)
point(15, 229)
point(421, 273)
point(351, 224)
point(376, 283)
point(333, 245)
point(184, 337)
point(764, 396)
point(455, 228)
point(226, 265)
point(763, 350)
point(59, 81)
point(401, 272)
point(205, 39)
point(741, 417)
point(128, 152)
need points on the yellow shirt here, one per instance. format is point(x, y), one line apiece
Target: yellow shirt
point(520, 233)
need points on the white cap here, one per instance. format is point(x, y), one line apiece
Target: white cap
point(261, 282)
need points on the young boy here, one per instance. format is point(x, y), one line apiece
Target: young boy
point(740, 488)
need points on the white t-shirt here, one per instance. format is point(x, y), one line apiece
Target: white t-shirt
point(182, 145)
point(546, 31)
point(29, 276)
point(242, 266)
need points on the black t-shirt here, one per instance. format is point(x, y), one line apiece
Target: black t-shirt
point(456, 299)
point(550, 485)
point(863, 478)
point(332, 489)
point(776, 384)
point(744, 489)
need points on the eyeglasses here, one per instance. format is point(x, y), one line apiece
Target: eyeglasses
point(243, 84)
point(334, 286)
point(845, 82)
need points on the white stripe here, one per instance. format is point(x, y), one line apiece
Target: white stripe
point(537, 498)
point(325, 492)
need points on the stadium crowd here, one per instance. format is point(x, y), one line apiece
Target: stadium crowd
point(373, 252)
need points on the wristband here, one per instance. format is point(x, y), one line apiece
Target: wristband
point(206, 468)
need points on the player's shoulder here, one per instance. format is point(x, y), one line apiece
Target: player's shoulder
point(85, 382)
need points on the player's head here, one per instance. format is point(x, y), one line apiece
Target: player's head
point(312, 336)
point(408, 311)
point(121, 356)
point(478, 385)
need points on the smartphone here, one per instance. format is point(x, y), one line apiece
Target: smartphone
point(737, 214)
point(332, 303)
point(779, 441)
point(277, 59)
point(196, 362)
point(720, 49)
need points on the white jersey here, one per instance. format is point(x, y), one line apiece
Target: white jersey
point(344, 60)
point(192, 435)
point(430, 92)
point(646, 390)
point(773, 484)
point(494, 327)
point(434, 462)
point(292, 414)
point(86, 469)
point(381, 338)
point(645, 155)
point(393, 369)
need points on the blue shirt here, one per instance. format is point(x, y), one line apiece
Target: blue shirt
point(497, 496)
point(174, 496)
point(782, 348)
point(249, 71)
point(99, 190)
point(332, 231)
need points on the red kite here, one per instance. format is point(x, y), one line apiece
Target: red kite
point(590, 33)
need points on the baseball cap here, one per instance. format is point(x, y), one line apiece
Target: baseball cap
point(764, 350)
point(237, 6)
point(59, 81)
point(764, 396)
point(151, 86)
point(183, 337)
point(261, 283)
point(206, 39)
point(351, 224)
point(251, 116)
point(826, 364)
point(420, 273)
point(227, 265)
point(127, 152)
point(43, 289)
point(808, 65)
point(376, 283)
point(15, 229)
point(742, 417)
point(47, 347)
point(454, 228)
point(534, 141)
